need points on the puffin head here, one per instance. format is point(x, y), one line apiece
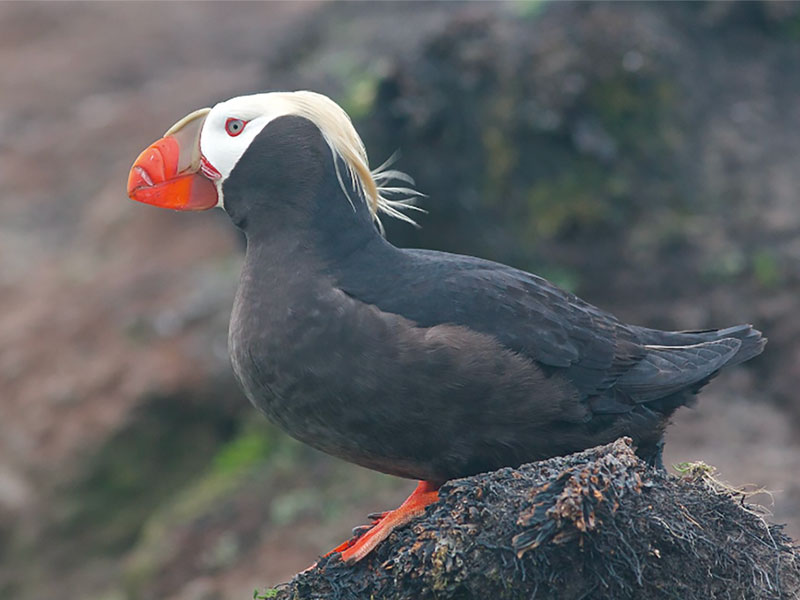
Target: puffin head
point(262, 153)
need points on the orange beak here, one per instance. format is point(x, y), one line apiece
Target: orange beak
point(168, 173)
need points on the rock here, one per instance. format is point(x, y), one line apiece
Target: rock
point(595, 524)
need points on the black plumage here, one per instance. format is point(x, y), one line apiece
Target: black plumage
point(425, 364)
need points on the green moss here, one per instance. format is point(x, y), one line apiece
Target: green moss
point(256, 451)
point(692, 470)
point(501, 159)
point(155, 546)
point(568, 190)
point(583, 195)
point(636, 109)
point(360, 94)
point(725, 266)
point(358, 81)
point(266, 594)
point(790, 28)
point(499, 145)
point(528, 9)
point(165, 445)
point(766, 269)
point(249, 448)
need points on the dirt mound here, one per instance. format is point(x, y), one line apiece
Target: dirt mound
point(596, 524)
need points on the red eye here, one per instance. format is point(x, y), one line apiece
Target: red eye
point(234, 126)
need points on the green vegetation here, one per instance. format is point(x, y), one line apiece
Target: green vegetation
point(233, 465)
point(358, 80)
point(584, 185)
point(359, 95)
point(726, 265)
point(583, 196)
point(790, 28)
point(250, 448)
point(693, 470)
point(638, 110)
point(766, 269)
point(528, 9)
point(161, 449)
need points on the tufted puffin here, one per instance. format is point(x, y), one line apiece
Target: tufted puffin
point(421, 364)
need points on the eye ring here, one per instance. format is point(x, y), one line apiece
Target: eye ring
point(234, 127)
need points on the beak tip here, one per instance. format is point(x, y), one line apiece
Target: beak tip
point(168, 172)
point(137, 179)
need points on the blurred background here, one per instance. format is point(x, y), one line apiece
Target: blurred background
point(645, 156)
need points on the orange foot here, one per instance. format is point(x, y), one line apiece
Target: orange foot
point(352, 551)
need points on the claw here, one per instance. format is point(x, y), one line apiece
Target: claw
point(356, 548)
point(360, 530)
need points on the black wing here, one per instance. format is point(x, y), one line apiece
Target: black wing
point(616, 365)
point(524, 312)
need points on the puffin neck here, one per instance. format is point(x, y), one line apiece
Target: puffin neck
point(330, 222)
point(326, 248)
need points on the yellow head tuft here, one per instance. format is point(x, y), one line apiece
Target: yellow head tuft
point(373, 185)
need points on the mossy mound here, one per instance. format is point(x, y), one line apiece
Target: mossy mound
point(596, 524)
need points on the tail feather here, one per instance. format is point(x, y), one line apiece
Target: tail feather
point(676, 366)
point(665, 370)
point(752, 341)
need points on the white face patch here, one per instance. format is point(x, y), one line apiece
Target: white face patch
point(223, 150)
point(231, 126)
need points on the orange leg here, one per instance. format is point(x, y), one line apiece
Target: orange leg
point(354, 550)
